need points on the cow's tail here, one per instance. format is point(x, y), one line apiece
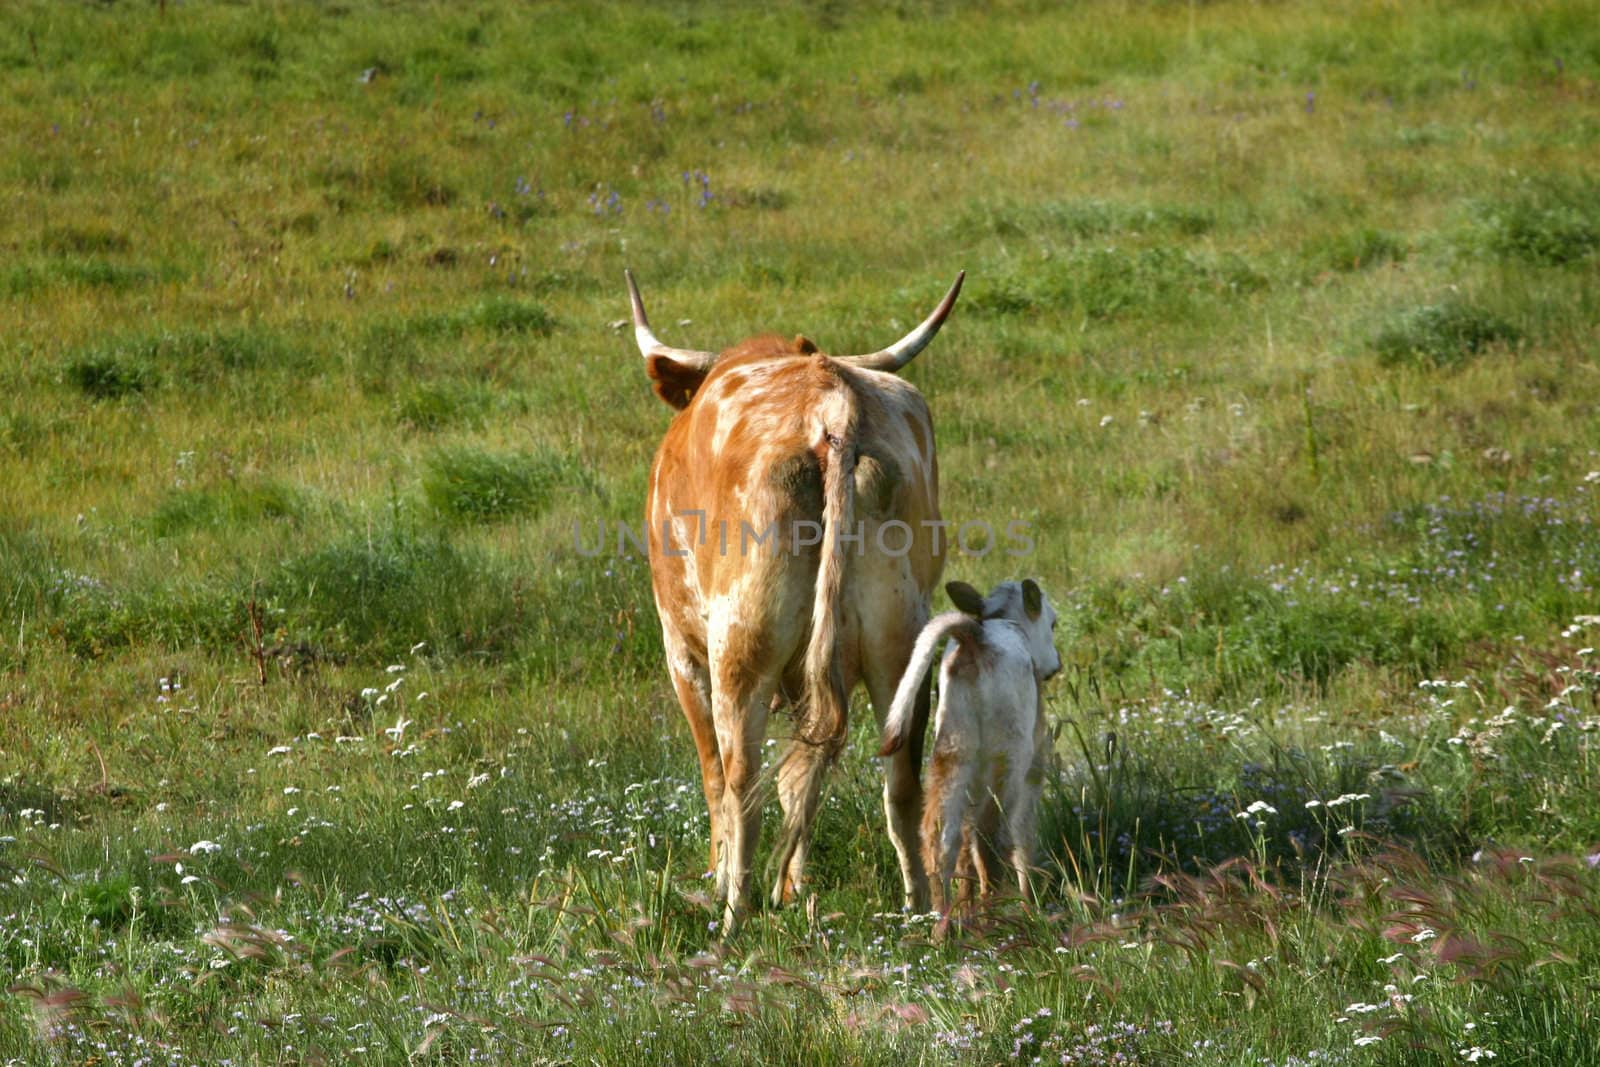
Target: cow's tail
point(897, 727)
point(835, 448)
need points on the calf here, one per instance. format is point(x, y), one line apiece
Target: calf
point(990, 740)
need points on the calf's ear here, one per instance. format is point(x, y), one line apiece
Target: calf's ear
point(965, 598)
point(1032, 598)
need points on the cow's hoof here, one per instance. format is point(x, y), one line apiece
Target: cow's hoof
point(784, 892)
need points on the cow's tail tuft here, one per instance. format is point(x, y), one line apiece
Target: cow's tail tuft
point(897, 727)
point(826, 700)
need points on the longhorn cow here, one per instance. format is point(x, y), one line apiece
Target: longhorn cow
point(794, 541)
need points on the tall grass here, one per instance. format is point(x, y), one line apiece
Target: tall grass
point(324, 738)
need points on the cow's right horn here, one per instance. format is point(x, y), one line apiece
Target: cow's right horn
point(649, 346)
point(901, 352)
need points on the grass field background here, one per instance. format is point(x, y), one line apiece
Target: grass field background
point(321, 740)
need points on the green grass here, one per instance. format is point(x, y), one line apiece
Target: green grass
point(325, 736)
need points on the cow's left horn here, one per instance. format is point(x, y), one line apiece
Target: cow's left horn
point(902, 351)
point(649, 346)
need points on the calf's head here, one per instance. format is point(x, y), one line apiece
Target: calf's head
point(1023, 603)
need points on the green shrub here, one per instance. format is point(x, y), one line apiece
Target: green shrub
point(20, 432)
point(91, 616)
point(1551, 223)
point(434, 405)
point(379, 591)
point(1114, 282)
point(407, 182)
point(104, 375)
point(1352, 250)
point(1316, 638)
point(1080, 219)
point(83, 240)
point(470, 484)
point(235, 504)
point(86, 273)
point(1441, 334)
point(387, 338)
point(109, 901)
point(136, 363)
point(505, 315)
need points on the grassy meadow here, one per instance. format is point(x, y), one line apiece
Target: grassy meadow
point(322, 742)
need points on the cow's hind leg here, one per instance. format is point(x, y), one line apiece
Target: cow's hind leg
point(902, 781)
point(739, 709)
point(693, 685)
point(800, 776)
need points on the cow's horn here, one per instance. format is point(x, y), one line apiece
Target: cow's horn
point(902, 351)
point(649, 346)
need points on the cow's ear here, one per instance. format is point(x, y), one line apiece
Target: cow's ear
point(965, 598)
point(1032, 598)
point(676, 382)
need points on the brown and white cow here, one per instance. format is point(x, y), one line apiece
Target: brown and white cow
point(793, 513)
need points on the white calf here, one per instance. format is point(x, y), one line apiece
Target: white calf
point(990, 736)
